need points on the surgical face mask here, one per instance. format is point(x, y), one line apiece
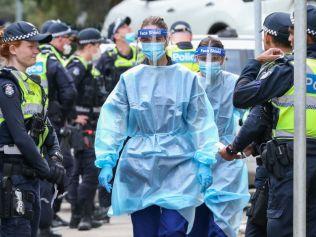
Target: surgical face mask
point(153, 50)
point(210, 69)
point(67, 49)
point(130, 37)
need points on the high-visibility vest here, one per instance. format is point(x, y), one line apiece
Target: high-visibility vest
point(33, 100)
point(183, 56)
point(40, 67)
point(285, 105)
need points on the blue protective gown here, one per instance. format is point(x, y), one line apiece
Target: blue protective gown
point(228, 195)
point(170, 122)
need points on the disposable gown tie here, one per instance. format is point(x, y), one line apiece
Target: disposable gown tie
point(170, 122)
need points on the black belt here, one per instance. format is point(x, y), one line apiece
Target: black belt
point(16, 166)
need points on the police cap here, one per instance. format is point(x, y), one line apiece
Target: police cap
point(23, 30)
point(59, 28)
point(180, 26)
point(114, 26)
point(277, 24)
point(90, 35)
point(311, 20)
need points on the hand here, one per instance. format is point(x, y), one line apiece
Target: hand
point(204, 176)
point(248, 151)
point(82, 119)
point(57, 174)
point(270, 55)
point(226, 156)
point(105, 177)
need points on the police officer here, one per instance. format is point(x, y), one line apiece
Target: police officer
point(25, 131)
point(54, 77)
point(92, 96)
point(124, 56)
point(181, 49)
point(59, 85)
point(276, 84)
point(258, 126)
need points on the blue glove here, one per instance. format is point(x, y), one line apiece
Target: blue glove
point(105, 177)
point(204, 176)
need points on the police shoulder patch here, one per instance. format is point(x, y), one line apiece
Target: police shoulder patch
point(8, 90)
point(266, 74)
point(76, 71)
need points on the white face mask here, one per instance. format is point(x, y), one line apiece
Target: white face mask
point(67, 49)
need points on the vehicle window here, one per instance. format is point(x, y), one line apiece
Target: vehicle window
point(236, 59)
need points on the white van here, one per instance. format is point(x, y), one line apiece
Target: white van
point(205, 16)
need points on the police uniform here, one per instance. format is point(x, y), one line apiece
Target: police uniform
point(55, 79)
point(24, 132)
point(250, 92)
point(89, 85)
point(59, 85)
point(112, 63)
point(182, 52)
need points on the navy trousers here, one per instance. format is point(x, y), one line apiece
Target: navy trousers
point(253, 230)
point(21, 226)
point(155, 221)
point(280, 206)
point(83, 193)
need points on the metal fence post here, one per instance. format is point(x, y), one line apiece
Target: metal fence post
point(258, 21)
point(299, 188)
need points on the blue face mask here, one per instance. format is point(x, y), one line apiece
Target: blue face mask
point(210, 70)
point(154, 50)
point(130, 37)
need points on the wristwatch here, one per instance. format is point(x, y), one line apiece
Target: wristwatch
point(230, 150)
point(57, 156)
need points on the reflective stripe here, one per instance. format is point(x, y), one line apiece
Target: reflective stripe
point(96, 109)
point(82, 109)
point(288, 101)
point(44, 84)
point(88, 110)
point(11, 150)
point(280, 133)
point(32, 108)
point(29, 109)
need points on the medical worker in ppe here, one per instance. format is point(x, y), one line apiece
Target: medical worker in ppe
point(225, 199)
point(166, 164)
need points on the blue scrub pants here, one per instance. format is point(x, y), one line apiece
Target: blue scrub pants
point(155, 221)
point(204, 225)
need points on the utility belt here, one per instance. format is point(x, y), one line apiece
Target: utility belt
point(11, 160)
point(13, 201)
point(276, 157)
point(77, 137)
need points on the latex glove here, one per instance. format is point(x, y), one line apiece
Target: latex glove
point(105, 177)
point(205, 176)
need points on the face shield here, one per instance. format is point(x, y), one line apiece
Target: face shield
point(153, 43)
point(210, 60)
